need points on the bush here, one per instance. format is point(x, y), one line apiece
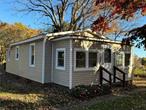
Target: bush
point(140, 72)
point(105, 89)
point(86, 92)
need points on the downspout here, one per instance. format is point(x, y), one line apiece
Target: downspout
point(43, 59)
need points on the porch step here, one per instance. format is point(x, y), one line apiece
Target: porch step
point(139, 82)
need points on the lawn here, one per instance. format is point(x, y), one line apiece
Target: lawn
point(18, 93)
point(132, 102)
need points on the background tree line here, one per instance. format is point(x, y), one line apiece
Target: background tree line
point(10, 33)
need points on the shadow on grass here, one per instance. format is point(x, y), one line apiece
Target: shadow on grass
point(48, 94)
point(15, 84)
point(8, 104)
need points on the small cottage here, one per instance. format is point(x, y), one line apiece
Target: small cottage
point(70, 58)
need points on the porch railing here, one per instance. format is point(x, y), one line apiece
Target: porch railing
point(123, 79)
point(109, 81)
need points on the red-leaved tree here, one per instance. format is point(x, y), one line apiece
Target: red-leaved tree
point(111, 10)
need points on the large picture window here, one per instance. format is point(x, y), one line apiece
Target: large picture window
point(32, 55)
point(60, 58)
point(92, 59)
point(80, 59)
point(17, 53)
point(107, 56)
point(85, 59)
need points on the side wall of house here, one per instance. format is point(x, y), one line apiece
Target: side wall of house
point(21, 67)
point(61, 76)
point(48, 61)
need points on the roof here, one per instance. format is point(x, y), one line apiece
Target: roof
point(79, 34)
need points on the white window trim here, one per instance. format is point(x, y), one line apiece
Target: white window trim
point(17, 47)
point(123, 59)
point(31, 65)
point(60, 50)
point(87, 68)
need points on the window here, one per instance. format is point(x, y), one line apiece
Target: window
point(17, 53)
point(92, 59)
point(107, 56)
point(32, 55)
point(119, 59)
point(85, 59)
point(127, 59)
point(80, 59)
point(60, 58)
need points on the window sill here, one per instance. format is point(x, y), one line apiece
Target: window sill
point(32, 66)
point(85, 69)
point(17, 59)
point(60, 68)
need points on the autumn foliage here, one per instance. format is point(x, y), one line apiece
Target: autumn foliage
point(116, 9)
point(10, 33)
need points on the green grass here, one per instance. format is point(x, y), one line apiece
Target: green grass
point(132, 102)
point(139, 72)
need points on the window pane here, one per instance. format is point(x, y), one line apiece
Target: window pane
point(61, 55)
point(32, 49)
point(107, 56)
point(80, 59)
point(17, 53)
point(32, 55)
point(119, 59)
point(61, 62)
point(61, 59)
point(127, 59)
point(92, 59)
point(32, 60)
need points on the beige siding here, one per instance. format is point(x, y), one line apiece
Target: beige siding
point(84, 77)
point(21, 67)
point(61, 76)
point(48, 61)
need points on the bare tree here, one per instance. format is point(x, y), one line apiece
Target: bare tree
point(64, 14)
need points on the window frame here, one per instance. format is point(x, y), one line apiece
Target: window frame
point(110, 56)
point(86, 68)
point(30, 55)
point(120, 53)
point(97, 56)
point(57, 51)
point(17, 53)
point(125, 59)
point(75, 66)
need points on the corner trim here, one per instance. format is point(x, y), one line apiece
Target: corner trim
point(43, 60)
point(52, 68)
point(70, 72)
